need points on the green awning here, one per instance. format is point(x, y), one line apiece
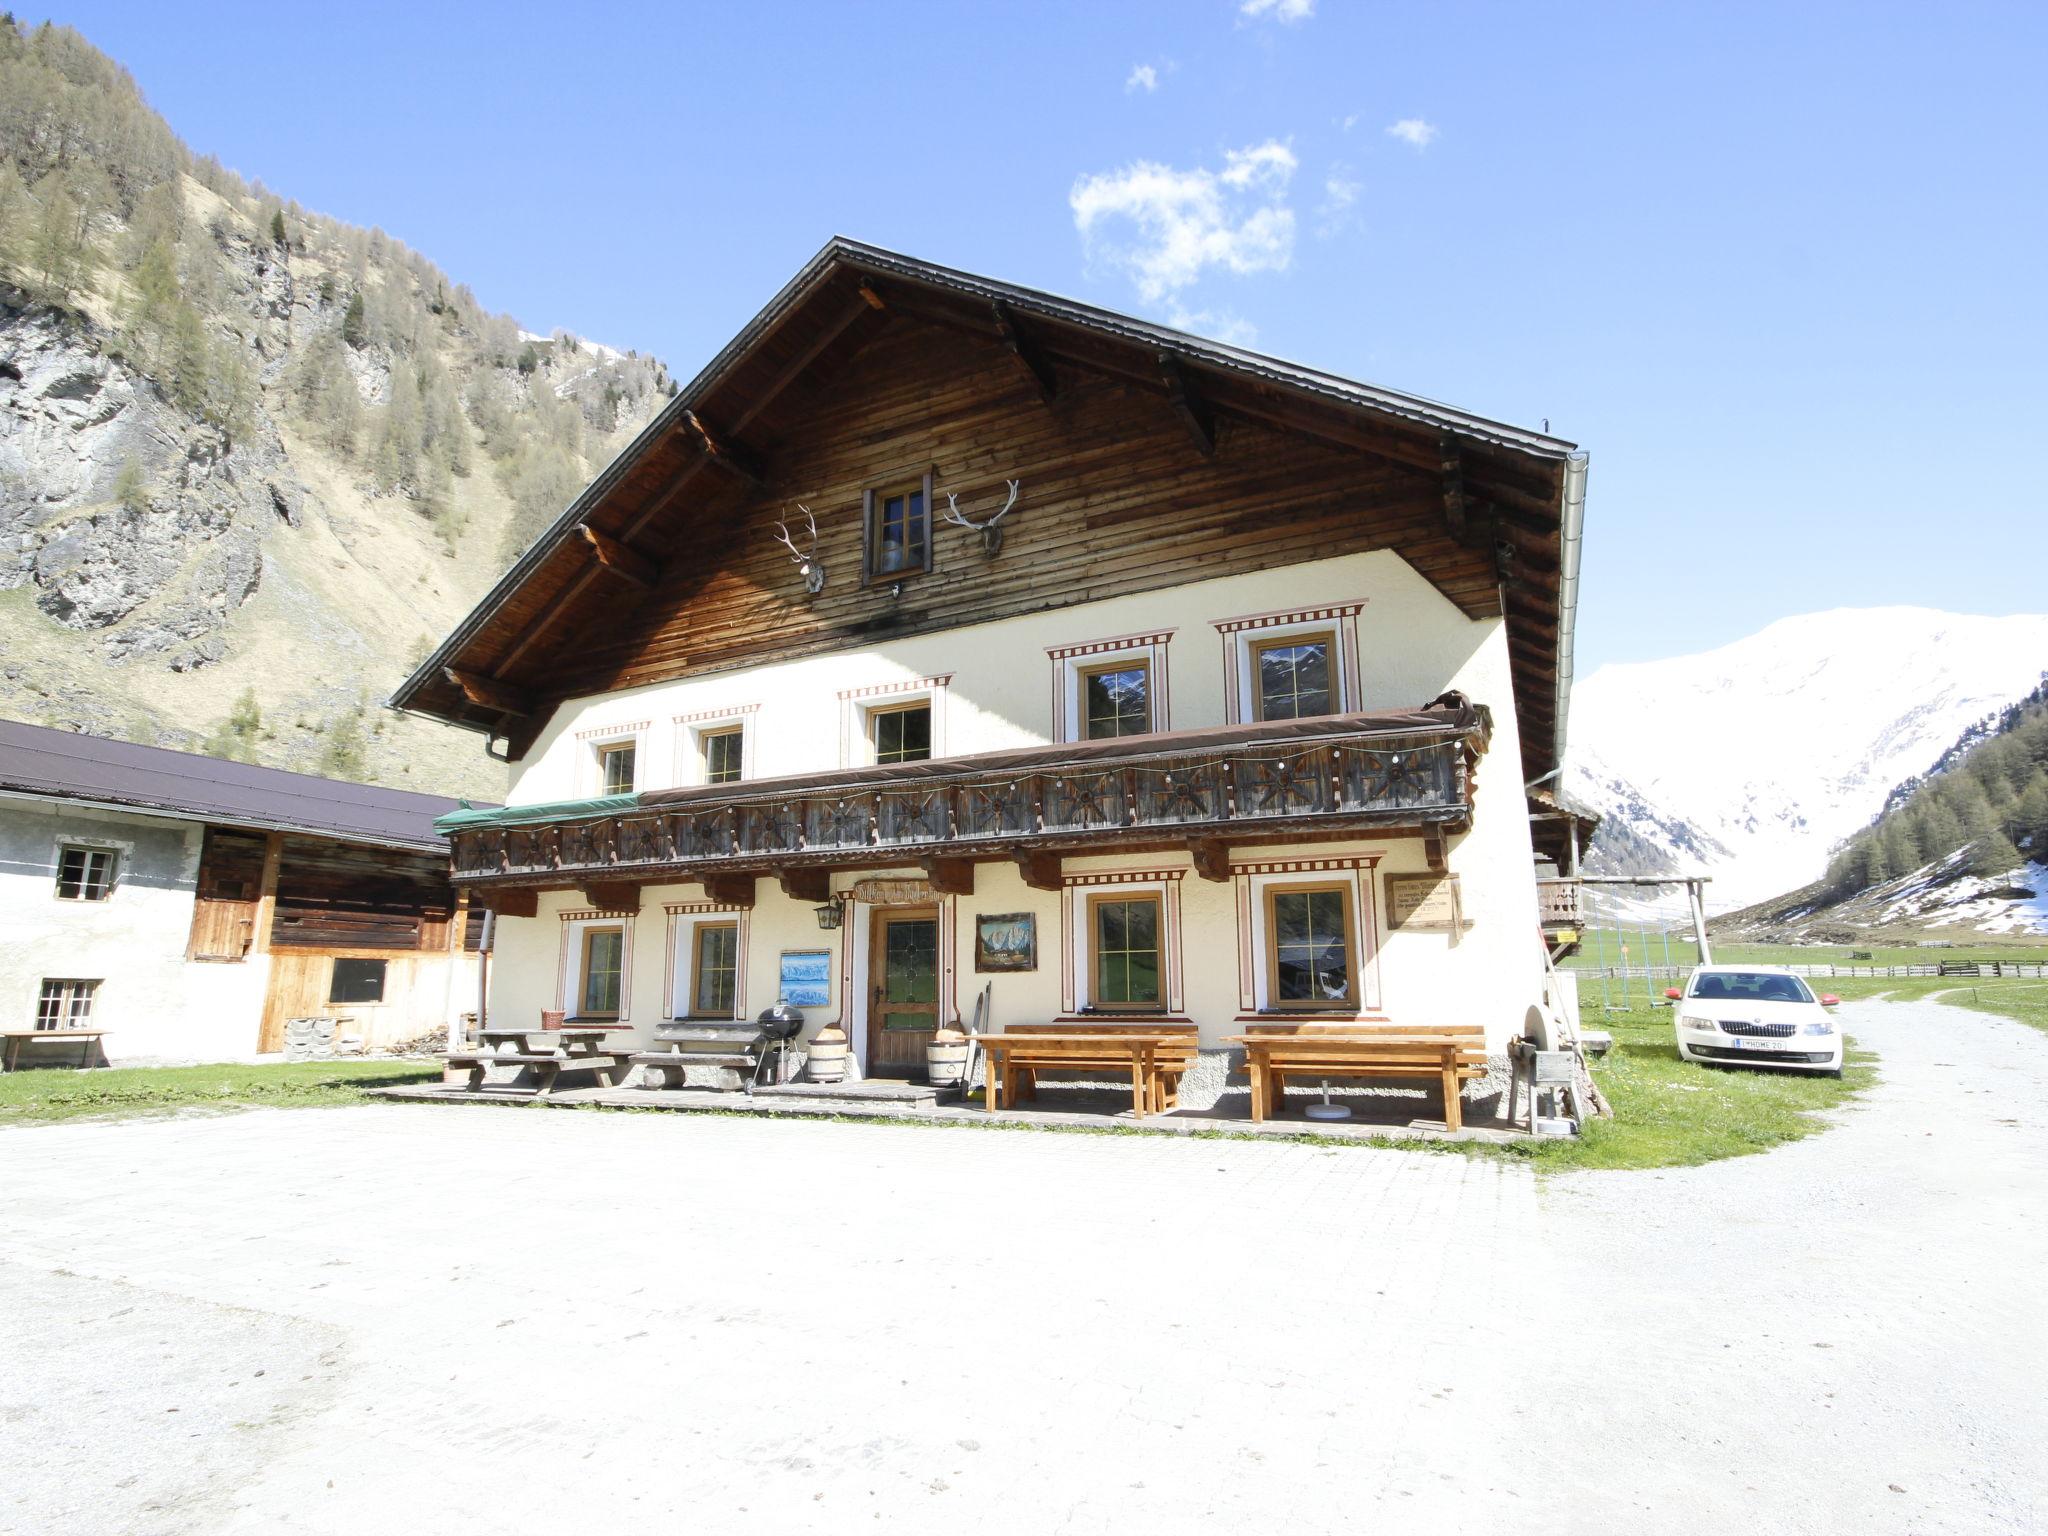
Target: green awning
point(528, 815)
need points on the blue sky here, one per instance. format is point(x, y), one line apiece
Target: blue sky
point(1780, 268)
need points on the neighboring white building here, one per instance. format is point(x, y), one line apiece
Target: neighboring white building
point(1201, 737)
point(189, 906)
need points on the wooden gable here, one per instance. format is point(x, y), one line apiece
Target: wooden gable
point(1142, 468)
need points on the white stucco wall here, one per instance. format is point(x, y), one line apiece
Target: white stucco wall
point(1413, 645)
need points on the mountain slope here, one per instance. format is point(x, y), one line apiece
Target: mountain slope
point(1755, 760)
point(252, 460)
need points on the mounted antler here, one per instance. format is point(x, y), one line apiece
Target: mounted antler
point(806, 559)
point(991, 535)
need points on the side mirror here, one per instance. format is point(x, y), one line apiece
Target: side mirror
point(1673, 993)
point(1829, 1000)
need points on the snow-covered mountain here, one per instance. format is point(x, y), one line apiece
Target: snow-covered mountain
point(1750, 762)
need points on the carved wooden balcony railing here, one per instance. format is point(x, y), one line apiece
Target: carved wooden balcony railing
point(1349, 773)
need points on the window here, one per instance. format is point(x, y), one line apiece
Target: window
point(902, 735)
point(723, 752)
point(356, 981)
point(615, 768)
point(604, 954)
point(85, 874)
point(65, 1004)
point(898, 535)
point(714, 970)
point(1310, 960)
point(1124, 951)
point(1116, 700)
point(1291, 677)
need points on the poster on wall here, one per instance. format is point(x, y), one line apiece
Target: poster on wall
point(806, 980)
point(1006, 941)
point(1428, 902)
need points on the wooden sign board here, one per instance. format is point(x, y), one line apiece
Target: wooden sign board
point(893, 893)
point(1425, 902)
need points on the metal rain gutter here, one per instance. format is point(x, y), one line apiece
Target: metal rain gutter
point(1571, 541)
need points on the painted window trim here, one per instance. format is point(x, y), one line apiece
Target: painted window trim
point(1070, 661)
point(1346, 892)
point(1077, 978)
point(1252, 878)
point(593, 743)
point(679, 984)
point(569, 963)
point(692, 764)
point(856, 736)
point(1239, 680)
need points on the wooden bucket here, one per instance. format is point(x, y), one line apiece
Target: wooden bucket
point(827, 1060)
point(946, 1063)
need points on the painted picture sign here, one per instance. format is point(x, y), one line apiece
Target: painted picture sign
point(1425, 902)
point(1006, 941)
point(806, 980)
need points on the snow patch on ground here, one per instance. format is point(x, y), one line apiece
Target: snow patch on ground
point(2015, 901)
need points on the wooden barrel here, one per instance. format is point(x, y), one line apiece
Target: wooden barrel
point(946, 1064)
point(827, 1061)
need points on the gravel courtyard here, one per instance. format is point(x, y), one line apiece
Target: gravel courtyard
point(462, 1319)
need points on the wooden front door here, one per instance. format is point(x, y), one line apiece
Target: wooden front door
point(903, 989)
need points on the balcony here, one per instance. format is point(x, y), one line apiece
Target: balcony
point(1332, 776)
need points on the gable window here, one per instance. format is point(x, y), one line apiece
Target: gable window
point(65, 1003)
point(1292, 678)
point(356, 981)
point(615, 764)
point(714, 970)
point(1124, 951)
point(1116, 700)
point(724, 751)
point(902, 735)
point(84, 874)
point(601, 975)
point(1311, 955)
point(897, 531)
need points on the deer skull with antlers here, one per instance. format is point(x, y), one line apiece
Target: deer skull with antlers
point(991, 535)
point(806, 559)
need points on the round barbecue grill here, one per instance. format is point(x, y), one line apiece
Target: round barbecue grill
point(779, 1027)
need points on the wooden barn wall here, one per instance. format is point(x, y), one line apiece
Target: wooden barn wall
point(1116, 499)
point(334, 896)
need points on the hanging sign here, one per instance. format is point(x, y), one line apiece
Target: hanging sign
point(805, 980)
point(893, 893)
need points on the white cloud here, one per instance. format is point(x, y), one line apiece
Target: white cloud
point(1143, 77)
point(1288, 11)
point(1348, 122)
point(1216, 324)
point(1164, 226)
point(1413, 131)
point(1339, 208)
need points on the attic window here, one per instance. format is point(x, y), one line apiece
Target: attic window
point(897, 531)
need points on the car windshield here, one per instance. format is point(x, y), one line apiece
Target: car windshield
point(1750, 987)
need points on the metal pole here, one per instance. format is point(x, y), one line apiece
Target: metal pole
point(1699, 919)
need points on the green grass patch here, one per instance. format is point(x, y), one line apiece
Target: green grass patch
point(1648, 946)
point(2022, 1000)
point(39, 1097)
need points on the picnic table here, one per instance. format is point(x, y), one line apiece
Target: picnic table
point(1154, 1055)
point(569, 1048)
point(1448, 1053)
point(11, 1042)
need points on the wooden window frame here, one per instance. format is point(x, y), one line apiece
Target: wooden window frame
point(89, 852)
point(1345, 892)
point(383, 981)
point(606, 751)
point(1096, 900)
point(722, 733)
point(872, 501)
point(584, 940)
point(1257, 646)
point(67, 993)
point(1139, 663)
point(875, 714)
point(697, 931)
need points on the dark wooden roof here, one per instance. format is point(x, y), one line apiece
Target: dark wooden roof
point(620, 589)
point(61, 765)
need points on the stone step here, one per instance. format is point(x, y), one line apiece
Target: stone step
point(869, 1091)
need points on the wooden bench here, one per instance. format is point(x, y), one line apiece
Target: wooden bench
point(1156, 1056)
point(679, 1045)
point(1450, 1054)
point(547, 1067)
point(12, 1043)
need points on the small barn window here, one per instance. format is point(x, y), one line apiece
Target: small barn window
point(357, 981)
point(897, 531)
point(84, 874)
point(65, 1003)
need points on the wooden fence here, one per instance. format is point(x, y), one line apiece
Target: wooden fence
point(1982, 969)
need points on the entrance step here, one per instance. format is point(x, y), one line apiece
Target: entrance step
point(869, 1091)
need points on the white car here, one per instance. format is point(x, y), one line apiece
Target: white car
point(1762, 1015)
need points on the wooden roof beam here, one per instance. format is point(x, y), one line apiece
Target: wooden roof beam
point(1029, 358)
point(620, 559)
point(1188, 404)
point(1453, 471)
point(727, 455)
point(489, 693)
point(801, 364)
point(1039, 869)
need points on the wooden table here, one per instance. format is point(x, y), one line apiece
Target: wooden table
point(1449, 1054)
point(11, 1043)
point(572, 1048)
point(1006, 1055)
